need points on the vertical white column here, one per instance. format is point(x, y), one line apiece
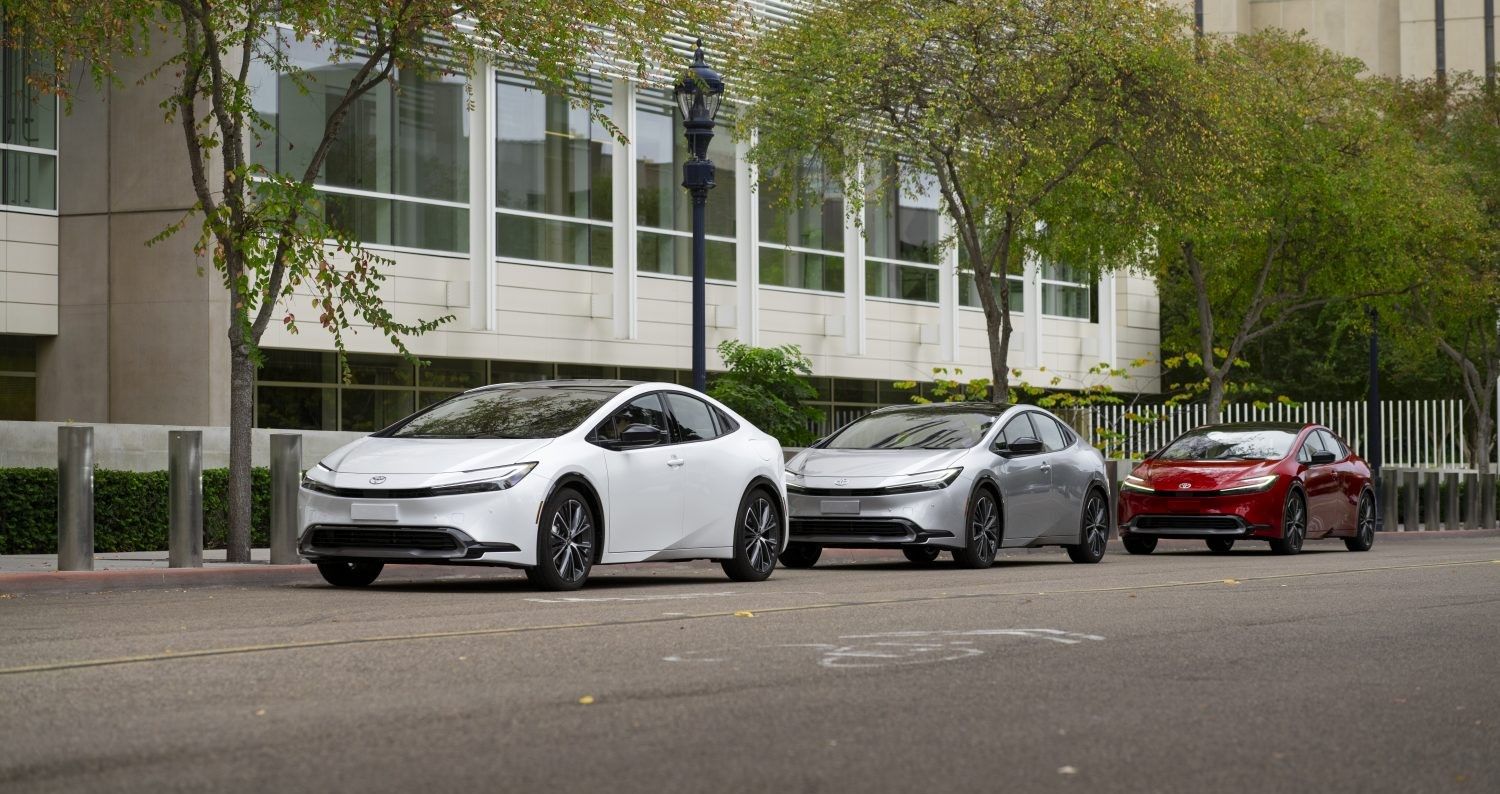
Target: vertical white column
point(624, 179)
point(1031, 287)
point(482, 271)
point(854, 281)
point(947, 293)
point(1109, 329)
point(747, 242)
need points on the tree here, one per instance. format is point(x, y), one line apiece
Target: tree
point(767, 386)
point(262, 230)
point(1279, 188)
point(1458, 310)
point(1013, 106)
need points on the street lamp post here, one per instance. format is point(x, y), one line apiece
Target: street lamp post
point(698, 94)
point(1374, 436)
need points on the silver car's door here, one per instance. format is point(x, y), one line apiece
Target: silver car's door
point(1069, 478)
point(1025, 485)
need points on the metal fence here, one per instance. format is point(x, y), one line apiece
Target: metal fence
point(1425, 434)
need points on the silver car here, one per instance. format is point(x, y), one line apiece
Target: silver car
point(969, 478)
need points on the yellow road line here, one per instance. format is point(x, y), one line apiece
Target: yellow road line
point(438, 635)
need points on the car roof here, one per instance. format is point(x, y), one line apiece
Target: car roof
point(1290, 427)
point(564, 384)
point(971, 407)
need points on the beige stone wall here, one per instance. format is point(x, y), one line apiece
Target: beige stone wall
point(28, 273)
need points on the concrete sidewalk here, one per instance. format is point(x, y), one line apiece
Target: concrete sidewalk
point(37, 573)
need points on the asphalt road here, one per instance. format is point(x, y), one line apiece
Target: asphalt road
point(1183, 671)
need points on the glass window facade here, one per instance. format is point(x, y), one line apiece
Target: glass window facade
point(968, 283)
point(553, 177)
point(398, 173)
point(28, 135)
point(802, 242)
point(664, 210)
point(1068, 292)
point(902, 244)
point(17, 377)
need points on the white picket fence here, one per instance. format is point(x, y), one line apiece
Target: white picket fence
point(1425, 434)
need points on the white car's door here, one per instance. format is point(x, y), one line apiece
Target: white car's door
point(713, 476)
point(645, 492)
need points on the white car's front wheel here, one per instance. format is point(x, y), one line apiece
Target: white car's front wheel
point(565, 542)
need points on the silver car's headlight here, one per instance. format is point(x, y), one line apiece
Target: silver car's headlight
point(1256, 485)
point(925, 481)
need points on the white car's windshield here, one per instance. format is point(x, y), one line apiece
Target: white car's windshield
point(914, 429)
point(1219, 444)
point(520, 411)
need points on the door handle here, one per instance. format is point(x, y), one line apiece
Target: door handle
point(675, 463)
point(1046, 466)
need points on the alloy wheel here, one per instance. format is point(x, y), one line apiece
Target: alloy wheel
point(760, 528)
point(1096, 525)
point(1367, 520)
point(1293, 526)
point(984, 527)
point(572, 540)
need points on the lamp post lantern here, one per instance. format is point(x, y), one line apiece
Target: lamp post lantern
point(698, 94)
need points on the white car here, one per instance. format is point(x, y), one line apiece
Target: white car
point(553, 477)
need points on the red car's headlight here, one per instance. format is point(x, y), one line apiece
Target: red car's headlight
point(1256, 485)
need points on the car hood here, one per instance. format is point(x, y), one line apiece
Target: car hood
point(863, 468)
point(431, 455)
point(1188, 476)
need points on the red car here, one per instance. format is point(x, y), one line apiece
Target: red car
point(1282, 483)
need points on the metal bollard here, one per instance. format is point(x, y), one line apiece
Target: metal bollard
point(1390, 500)
point(185, 489)
point(1410, 481)
point(75, 498)
point(1450, 497)
point(286, 480)
point(1430, 501)
point(1471, 491)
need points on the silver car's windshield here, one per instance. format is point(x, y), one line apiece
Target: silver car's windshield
point(509, 412)
point(1217, 444)
point(914, 429)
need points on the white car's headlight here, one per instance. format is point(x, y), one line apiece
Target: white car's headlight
point(1256, 485)
point(1137, 484)
point(498, 478)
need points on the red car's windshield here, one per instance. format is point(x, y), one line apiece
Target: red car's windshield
point(1220, 444)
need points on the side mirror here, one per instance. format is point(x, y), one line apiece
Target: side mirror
point(1025, 445)
point(639, 436)
point(1323, 458)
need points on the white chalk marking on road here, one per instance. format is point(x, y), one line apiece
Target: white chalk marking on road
point(892, 648)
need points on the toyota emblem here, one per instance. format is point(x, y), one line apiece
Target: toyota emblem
point(380, 478)
point(841, 481)
point(1182, 486)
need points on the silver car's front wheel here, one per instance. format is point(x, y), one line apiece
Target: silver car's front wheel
point(984, 531)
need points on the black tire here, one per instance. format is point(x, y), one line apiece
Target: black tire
point(921, 555)
point(800, 555)
point(1293, 525)
point(350, 573)
point(1364, 525)
point(1220, 545)
point(565, 540)
point(1138, 544)
point(757, 538)
point(1093, 532)
point(983, 529)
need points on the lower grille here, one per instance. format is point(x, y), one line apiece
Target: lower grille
point(1220, 523)
point(425, 540)
point(852, 526)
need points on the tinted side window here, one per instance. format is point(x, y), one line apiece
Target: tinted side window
point(1332, 444)
point(726, 425)
point(1049, 433)
point(1019, 427)
point(692, 419)
point(645, 410)
point(1309, 446)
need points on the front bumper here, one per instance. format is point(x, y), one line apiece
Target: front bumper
point(1202, 517)
point(922, 518)
point(493, 527)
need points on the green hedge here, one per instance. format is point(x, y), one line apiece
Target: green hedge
point(130, 510)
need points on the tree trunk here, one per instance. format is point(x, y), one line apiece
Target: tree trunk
point(1215, 406)
point(241, 418)
point(1483, 455)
